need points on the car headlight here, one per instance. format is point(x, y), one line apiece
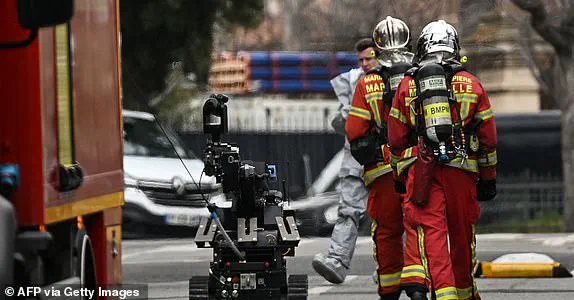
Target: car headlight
point(331, 214)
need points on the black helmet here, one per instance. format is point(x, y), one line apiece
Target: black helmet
point(391, 33)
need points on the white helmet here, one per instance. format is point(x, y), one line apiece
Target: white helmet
point(438, 36)
point(391, 33)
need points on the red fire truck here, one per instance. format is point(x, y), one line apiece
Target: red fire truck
point(61, 178)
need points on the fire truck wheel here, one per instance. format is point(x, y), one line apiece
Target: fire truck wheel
point(86, 262)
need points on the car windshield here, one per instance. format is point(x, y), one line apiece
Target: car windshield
point(144, 137)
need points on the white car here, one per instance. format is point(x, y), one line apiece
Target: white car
point(158, 188)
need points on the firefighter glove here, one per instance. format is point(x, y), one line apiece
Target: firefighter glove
point(486, 190)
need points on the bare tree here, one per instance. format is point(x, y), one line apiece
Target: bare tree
point(332, 25)
point(559, 32)
point(338, 25)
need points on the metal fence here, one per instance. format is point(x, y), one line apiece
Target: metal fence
point(527, 202)
point(271, 115)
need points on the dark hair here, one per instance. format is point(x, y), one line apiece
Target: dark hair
point(365, 43)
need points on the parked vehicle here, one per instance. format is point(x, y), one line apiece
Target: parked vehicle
point(159, 191)
point(317, 212)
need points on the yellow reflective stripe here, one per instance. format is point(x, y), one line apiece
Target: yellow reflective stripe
point(467, 97)
point(487, 160)
point(395, 159)
point(465, 100)
point(387, 280)
point(374, 96)
point(374, 226)
point(361, 113)
point(413, 121)
point(408, 102)
point(403, 164)
point(470, 165)
point(464, 109)
point(395, 113)
point(64, 96)
point(485, 114)
point(421, 242)
point(466, 293)
point(408, 152)
point(406, 160)
point(473, 289)
point(375, 110)
point(447, 293)
point(380, 170)
point(413, 271)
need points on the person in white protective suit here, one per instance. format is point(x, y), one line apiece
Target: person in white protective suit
point(334, 264)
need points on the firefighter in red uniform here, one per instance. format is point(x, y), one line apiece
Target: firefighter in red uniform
point(442, 136)
point(367, 133)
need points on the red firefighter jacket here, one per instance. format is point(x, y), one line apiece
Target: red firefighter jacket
point(473, 104)
point(368, 110)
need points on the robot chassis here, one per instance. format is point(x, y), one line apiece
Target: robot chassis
point(249, 255)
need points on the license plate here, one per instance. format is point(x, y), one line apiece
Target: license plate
point(182, 220)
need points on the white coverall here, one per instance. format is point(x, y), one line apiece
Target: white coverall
point(354, 194)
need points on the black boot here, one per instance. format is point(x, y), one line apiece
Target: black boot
point(391, 296)
point(418, 295)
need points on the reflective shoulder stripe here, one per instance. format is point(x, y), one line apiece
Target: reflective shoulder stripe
point(468, 97)
point(374, 96)
point(484, 115)
point(465, 99)
point(487, 160)
point(447, 293)
point(373, 174)
point(395, 113)
point(360, 112)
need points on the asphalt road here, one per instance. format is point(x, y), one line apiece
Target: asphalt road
point(166, 265)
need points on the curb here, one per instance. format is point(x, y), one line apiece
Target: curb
point(521, 270)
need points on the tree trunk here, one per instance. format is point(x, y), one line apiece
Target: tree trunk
point(568, 141)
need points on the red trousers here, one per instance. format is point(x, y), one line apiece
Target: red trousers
point(449, 217)
point(385, 209)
